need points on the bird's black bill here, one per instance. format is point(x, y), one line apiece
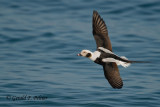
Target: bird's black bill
point(79, 54)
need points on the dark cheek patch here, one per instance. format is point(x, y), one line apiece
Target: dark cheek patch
point(88, 55)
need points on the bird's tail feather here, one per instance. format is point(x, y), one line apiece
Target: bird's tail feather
point(129, 61)
point(139, 62)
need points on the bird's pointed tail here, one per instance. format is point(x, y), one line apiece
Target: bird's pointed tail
point(130, 61)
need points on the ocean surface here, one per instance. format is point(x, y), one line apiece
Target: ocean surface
point(40, 40)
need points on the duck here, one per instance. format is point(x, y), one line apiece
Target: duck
point(104, 55)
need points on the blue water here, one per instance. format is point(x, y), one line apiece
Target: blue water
point(39, 40)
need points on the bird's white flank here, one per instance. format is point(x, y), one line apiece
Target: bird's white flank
point(124, 64)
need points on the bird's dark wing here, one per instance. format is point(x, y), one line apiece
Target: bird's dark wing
point(112, 74)
point(100, 32)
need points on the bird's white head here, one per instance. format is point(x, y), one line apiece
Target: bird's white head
point(85, 53)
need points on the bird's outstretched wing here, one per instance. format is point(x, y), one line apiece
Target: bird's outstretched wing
point(112, 74)
point(100, 32)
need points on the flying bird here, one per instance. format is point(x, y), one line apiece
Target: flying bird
point(104, 55)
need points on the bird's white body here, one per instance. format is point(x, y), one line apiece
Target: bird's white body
point(124, 64)
point(96, 54)
point(118, 62)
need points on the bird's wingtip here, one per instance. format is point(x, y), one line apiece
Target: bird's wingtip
point(94, 12)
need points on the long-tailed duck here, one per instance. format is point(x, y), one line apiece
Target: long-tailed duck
point(104, 55)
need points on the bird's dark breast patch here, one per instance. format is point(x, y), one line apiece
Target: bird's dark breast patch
point(99, 61)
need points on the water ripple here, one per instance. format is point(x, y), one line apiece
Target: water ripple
point(39, 41)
